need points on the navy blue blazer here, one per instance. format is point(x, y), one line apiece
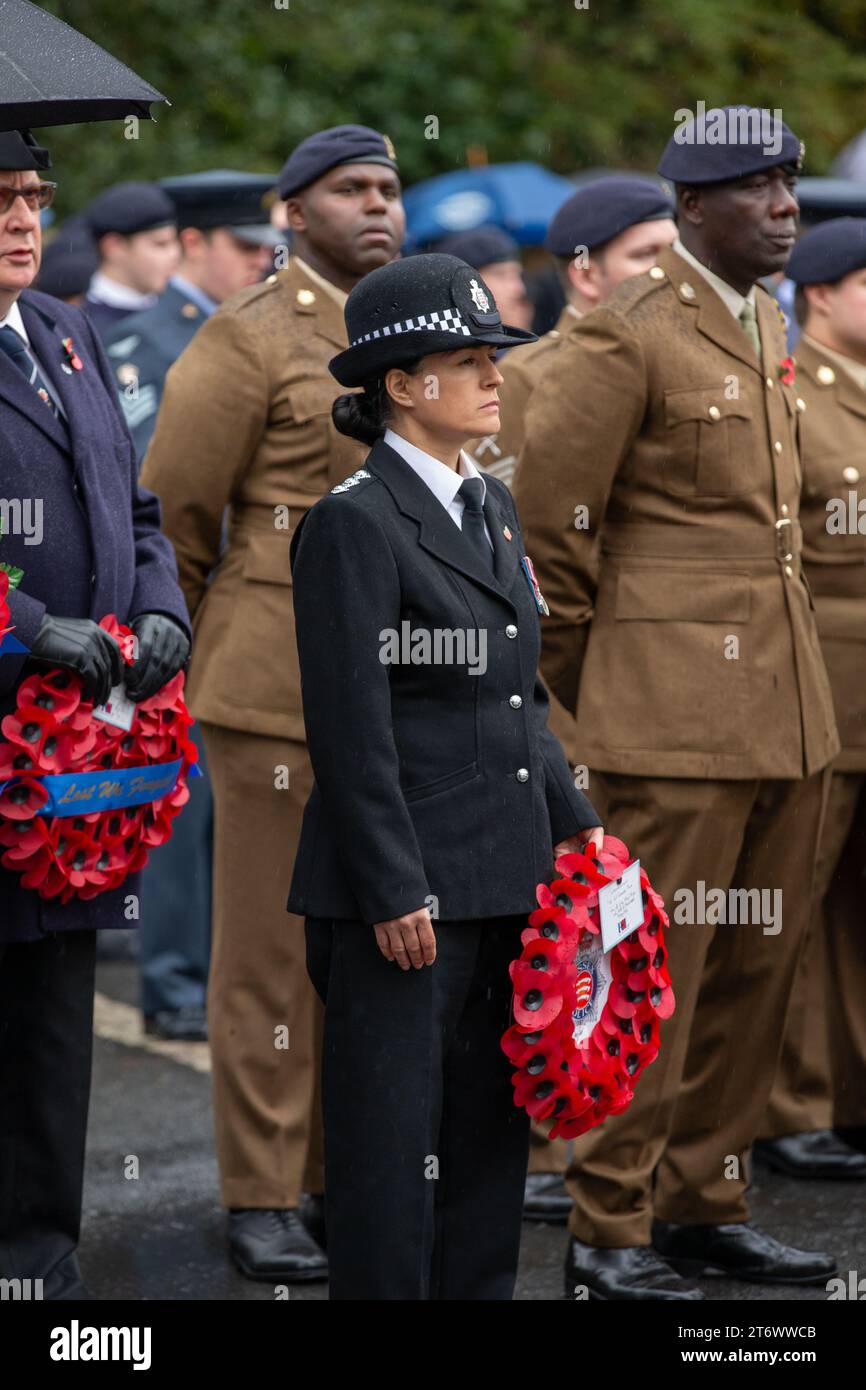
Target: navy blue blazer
point(432, 782)
point(101, 550)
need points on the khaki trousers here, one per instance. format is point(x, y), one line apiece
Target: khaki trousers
point(267, 1110)
point(680, 1151)
point(821, 1079)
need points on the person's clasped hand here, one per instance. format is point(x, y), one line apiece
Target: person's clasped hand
point(162, 650)
point(80, 645)
point(409, 940)
point(580, 844)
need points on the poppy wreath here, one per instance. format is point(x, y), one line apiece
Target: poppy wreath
point(52, 731)
point(586, 1022)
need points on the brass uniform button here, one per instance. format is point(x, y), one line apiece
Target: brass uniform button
point(784, 509)
point(686, 290)
point(826, 375)
point(851, 475)
point(656, 273)
point(306, 297)
point(271, 280)
point(714, 413)
point(778, 446)
point(770, 383)
point(801, 404)
point(190, 311)
point(789, 572)
point(127, 373)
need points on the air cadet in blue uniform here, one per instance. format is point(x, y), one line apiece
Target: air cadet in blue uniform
point(227, 243)
point(63, 441)
point(439, 796)
point(133, 229)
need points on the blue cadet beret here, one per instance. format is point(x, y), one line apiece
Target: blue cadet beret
point(602, 209)
point(65, 272)
point(340, 144)
point(408, 308)
point(829, 252)
point(129, 208)
point(726, 143)
point(227, 198)
point(19, 150)
point(479, 247)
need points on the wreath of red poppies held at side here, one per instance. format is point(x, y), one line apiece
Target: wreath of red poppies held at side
point(586, 1022)
point(53, 731)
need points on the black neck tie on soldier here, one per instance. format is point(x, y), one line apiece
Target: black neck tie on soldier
point(472, 493)
point(16, 350)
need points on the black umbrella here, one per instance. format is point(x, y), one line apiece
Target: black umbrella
point(52, 75)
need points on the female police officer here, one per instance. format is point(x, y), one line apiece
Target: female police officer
point(440, 795)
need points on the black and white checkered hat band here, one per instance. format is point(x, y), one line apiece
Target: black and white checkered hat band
point(442, 320)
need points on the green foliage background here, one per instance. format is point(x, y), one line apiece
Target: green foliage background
point(535, 79)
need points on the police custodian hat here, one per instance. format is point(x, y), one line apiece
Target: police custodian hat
point(602, 209)
point(19, 150)
point(340, 144)
point(722, 143)
point(128, 208)
point(427, 303)
point(829, 252)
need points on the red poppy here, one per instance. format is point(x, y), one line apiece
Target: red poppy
point(578, 1085)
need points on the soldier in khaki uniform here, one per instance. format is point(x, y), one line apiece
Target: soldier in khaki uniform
point(686, 644)
point(245, 424)
point(822, 1073)
point(603, 234)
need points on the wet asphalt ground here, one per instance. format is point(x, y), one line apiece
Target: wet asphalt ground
point(160, 1235)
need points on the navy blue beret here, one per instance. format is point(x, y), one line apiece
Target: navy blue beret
point(19, 150)
point(602, 209)
point(829, 252)
point(223, 198)
point(728, 142)
point(341, 144)
point(129, 208)
point(479, 247)
point(66, 272)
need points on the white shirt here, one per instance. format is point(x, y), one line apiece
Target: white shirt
point(14, 320)
point(107, 291)
point(730, 297)
point(443, 482)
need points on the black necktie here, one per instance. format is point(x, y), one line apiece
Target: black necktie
point(472, 493)
point(16, 350)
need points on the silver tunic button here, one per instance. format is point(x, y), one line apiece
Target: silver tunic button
point(511, 630)
point(522, 774)
point(515, 702)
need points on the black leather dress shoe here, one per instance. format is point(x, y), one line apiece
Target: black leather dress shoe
point(740, 1251)
point(545, 1199)
point(311, 1210)
point(188, 1024)
point(635, 1273)
point(268, 1245)
point(818, 1153)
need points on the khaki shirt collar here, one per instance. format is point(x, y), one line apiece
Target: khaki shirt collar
point(339, 296)
point(730, 297)
point(857, 370)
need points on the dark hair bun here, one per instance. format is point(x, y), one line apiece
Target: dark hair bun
point(358, 415)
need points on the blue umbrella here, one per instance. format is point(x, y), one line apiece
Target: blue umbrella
point(519, 198)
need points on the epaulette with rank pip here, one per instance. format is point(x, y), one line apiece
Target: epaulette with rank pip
point(352, 480)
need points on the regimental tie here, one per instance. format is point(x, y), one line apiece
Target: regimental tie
point(17, 351)
point(472, 493)
point(749, 322)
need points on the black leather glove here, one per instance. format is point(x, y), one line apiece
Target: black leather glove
point(83, 646)
point(163, 649)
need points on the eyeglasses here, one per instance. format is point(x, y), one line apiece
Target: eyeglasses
point(37, 196)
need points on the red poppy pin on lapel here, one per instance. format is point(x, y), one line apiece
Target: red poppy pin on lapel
point(506, 533)
point(786, 371)
point(73, 361)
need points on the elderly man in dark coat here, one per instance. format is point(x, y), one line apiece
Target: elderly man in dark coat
point(66, 455)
